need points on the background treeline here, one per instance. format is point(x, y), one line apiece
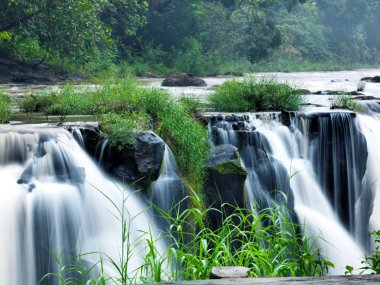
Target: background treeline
point(199, 36)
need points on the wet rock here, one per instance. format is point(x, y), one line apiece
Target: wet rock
point(225, 182)
point(304, 91)
point(339, 80)
point(229, 272)
point(375, 79)
point(234, 74)
point(140, 164)
point(183, 80)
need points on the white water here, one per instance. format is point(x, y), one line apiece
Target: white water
point(167, 190)
point(371, 129)
point(60, 207)
point(311, 205)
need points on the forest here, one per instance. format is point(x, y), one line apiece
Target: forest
point(204, 37)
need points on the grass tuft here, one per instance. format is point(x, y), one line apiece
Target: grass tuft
point(255, 95)
point(5, 108)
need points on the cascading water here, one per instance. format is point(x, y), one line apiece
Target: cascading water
point(167, 190)
point(56, 202)
point(325, 154)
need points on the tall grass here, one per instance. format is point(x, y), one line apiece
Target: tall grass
point(5, 108)
point(267, 242)
point(345, 101)
point(253, 95)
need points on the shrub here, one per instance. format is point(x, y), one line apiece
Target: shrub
point(345, 101)
point(122, 129)
point(372, 262)
point(253, 95)
point(5, 108)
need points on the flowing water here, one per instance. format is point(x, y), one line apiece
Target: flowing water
point(55, 202)
point(332, 186)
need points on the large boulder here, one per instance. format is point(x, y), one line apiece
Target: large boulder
point(225, 183)
point(139, 165)
point(375, 79)
point(183, 80)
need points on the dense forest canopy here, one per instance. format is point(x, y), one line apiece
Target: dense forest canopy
point(188, 34)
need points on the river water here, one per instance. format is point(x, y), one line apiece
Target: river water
point(335, 189)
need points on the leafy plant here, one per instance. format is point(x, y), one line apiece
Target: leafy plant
point(345, 101)
point(372, 262)
point(253, 95)
point(122, 129)
point(267, 242)
point(5, 108)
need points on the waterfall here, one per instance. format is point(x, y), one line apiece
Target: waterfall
point(56, 202)
point(319, 162)
point(168, 190)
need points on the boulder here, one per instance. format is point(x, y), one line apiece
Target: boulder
point(183, 80)
point(139, 165)
point(225, 183)
point(375, 79)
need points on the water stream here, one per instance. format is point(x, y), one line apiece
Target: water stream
point(55, 202)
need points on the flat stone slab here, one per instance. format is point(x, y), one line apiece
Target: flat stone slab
point(229, 272)
point(330, 280)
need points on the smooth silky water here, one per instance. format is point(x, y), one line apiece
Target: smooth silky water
point(331, 185)
point(56, 202)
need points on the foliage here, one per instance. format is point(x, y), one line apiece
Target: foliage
point(372, 262)
point(267, 242)
point(254, 95)
point(5, 108)
point(345, 101)
point(122, 129)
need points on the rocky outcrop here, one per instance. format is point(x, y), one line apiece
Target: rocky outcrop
point(183, 80)
point(137, 165)
point(375, 79)
point(225, 182)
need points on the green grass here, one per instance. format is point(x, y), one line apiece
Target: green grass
point(5, 108)
point(147, 108)
point(345, 101)
point(254, 95)
point(267, 242)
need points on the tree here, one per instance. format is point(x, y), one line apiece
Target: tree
point(67, 27)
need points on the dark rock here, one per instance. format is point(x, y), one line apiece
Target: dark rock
point(340, 80)
point(375, 79)
point(365, 98)
point(183, 80)
point(229, 272)
point(304, 91)
point(149, 153)
point(225, 183)
point(234, 74)
point(138, 165)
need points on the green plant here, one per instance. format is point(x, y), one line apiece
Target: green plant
point(372, 262)
point(252, 95)
point(345, 101)
point(5, 108)
point(266, 241)
point(122, 129)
